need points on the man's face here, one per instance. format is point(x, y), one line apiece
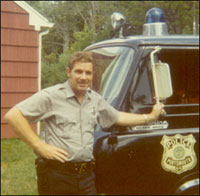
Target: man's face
point(80, 76)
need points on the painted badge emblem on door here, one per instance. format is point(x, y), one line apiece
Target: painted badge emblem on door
point(179, 155)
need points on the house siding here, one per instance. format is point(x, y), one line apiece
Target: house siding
point(19, 60)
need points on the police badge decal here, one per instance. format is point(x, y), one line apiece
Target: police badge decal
point(178, 155)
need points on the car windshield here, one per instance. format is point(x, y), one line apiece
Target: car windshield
point(111, 66)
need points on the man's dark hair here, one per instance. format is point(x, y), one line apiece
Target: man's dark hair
point(80, 56)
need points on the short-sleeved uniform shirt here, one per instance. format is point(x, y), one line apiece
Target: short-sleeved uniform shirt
point(68, 124)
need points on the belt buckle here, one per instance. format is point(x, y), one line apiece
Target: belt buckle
point(82, 168)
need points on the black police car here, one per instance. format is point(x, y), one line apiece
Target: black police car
point(133, 73)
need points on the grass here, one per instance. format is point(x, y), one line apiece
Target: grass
point(18, 175)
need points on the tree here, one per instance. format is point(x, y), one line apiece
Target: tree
point(78, 24)
point(179, 15)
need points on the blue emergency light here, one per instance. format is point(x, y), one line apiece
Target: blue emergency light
point(155, 23)
point(155, 15)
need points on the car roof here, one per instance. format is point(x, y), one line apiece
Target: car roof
point(169, 40)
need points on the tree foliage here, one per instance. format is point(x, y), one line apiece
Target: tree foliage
point(77, 24)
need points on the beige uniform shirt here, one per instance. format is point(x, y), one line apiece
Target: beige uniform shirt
point(66, 123)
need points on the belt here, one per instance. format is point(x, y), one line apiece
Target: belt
point(71, 167)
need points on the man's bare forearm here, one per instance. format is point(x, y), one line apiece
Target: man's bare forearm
point(131, 119)
point(22, 128)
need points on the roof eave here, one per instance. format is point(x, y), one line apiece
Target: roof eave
point(35, 18)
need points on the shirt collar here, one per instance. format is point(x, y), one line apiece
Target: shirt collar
point(70, 93)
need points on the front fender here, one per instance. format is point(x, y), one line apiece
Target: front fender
point(131, 164)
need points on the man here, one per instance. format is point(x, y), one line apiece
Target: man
point(69, 113)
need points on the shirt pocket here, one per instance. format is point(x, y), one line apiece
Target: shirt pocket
point(92, 121)
point(66, 126)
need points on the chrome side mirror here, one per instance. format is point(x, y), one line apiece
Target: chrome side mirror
point(164, 82)
point(161, 78)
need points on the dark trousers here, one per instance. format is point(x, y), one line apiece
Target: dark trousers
point(53, 180)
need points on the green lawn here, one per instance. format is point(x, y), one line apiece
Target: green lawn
point(18, 176)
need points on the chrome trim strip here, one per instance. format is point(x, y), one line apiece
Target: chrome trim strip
point(187, 185)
